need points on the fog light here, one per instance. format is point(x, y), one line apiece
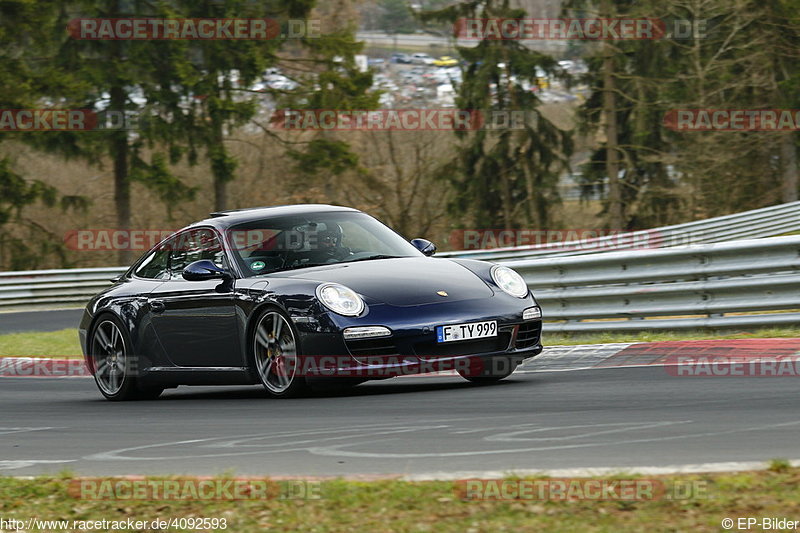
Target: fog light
point(366, 332)
point(531, 313)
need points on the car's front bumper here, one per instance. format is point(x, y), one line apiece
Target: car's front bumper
point(412, 347)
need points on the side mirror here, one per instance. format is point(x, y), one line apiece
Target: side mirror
point(425, 246)
point(203, 270)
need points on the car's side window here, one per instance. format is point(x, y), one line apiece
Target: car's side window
point(194, 245)
point(156, 265)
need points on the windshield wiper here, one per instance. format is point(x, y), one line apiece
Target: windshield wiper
point(371, 257)
point(304, 265)
point(307, 265)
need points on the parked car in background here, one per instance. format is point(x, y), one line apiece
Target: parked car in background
point(445, 61)
point(400, 58)
point(421, 59)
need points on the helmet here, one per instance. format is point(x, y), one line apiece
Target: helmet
point(330, 237)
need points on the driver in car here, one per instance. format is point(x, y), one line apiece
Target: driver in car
point(329, 243)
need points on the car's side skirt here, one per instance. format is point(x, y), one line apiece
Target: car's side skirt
point(200, 375)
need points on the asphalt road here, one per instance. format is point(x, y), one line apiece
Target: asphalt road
point(40, 320)
point(618, 417)
point(423, 41)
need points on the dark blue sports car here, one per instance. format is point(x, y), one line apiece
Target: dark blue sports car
point(293, 296)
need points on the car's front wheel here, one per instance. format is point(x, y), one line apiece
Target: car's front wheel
point(276, 356)
point(113, 366)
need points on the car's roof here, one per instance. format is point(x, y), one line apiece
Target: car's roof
point(225, 219)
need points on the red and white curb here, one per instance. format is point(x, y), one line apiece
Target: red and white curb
point(694, 468)
point(700, 355)
point(553, 359)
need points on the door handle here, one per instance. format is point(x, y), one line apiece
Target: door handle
point(157, 306)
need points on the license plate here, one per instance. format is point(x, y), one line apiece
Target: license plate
point(462, 332)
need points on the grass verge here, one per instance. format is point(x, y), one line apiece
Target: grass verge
point(65, 343)
point(435, 506)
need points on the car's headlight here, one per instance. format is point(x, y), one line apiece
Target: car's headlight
point(340, 299)
point(509, 281)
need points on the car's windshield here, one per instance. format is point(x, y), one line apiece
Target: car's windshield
point(299, 241)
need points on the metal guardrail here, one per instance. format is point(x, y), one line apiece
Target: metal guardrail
point(743, 283)
point(764, 222)
point(736, 284)
point(60, 287)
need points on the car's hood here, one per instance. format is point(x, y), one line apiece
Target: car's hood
point(402, 281)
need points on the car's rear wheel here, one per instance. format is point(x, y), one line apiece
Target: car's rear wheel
point(483, 372)
point(276, 356)
point(113, 367)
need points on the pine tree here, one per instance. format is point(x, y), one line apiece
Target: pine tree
point(23, 85)
point(505, 176)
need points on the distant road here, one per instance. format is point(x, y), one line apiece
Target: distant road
point(423, 40)
point(411, 39)
point(39, 320)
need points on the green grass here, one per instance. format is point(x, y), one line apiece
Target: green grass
point(432, 506)
point(65, 343)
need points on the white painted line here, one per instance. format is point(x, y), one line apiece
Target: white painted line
point(8, 431)
point(26, 463)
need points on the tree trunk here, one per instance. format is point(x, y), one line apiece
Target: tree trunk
point(220, 194)
point(789, 160)
point(122, 185)
point(219, 169)
point(614, 198)
point(505, 198)
point(535, 217)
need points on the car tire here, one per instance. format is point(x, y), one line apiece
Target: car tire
point(275, 355)
point(109, 347)
point(482, 373)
